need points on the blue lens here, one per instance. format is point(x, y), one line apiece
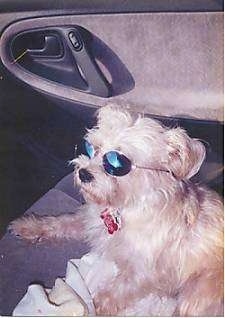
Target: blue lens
point(116, 164)
point(114, 159)
point(89, 149)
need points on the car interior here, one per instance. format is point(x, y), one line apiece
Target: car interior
point(62, 60)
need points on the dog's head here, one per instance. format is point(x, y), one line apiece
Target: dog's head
point(125, 157)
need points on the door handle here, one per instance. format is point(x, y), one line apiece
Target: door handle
point(51, 47)
point(63, 55)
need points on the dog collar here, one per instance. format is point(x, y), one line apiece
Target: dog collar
point(111, 219)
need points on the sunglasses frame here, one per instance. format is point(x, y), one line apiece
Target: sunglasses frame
point(132, 165)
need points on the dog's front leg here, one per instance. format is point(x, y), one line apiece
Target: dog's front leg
point(35, 228)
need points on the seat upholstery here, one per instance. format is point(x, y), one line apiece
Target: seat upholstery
point(67, 186)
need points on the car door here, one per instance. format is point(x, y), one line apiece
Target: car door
point(61, 60)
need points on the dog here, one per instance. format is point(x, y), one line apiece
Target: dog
point(158, 236)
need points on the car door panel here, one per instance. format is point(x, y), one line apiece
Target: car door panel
point(167, 64)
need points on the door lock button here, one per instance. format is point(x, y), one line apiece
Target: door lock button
point(75, 41)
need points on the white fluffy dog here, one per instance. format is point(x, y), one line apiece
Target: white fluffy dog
point(160, 235)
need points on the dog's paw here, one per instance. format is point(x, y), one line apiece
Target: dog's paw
point(28, 228)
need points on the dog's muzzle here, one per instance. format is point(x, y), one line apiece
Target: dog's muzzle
point(85, 176)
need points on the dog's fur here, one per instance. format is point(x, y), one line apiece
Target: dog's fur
point(169, 249)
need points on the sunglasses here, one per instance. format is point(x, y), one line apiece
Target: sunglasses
point(114, 162)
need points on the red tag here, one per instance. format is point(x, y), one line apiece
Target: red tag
point(109, 221)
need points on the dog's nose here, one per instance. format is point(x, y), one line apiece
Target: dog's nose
point(85, 176)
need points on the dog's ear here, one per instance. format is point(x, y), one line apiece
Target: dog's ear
point(185, 154)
